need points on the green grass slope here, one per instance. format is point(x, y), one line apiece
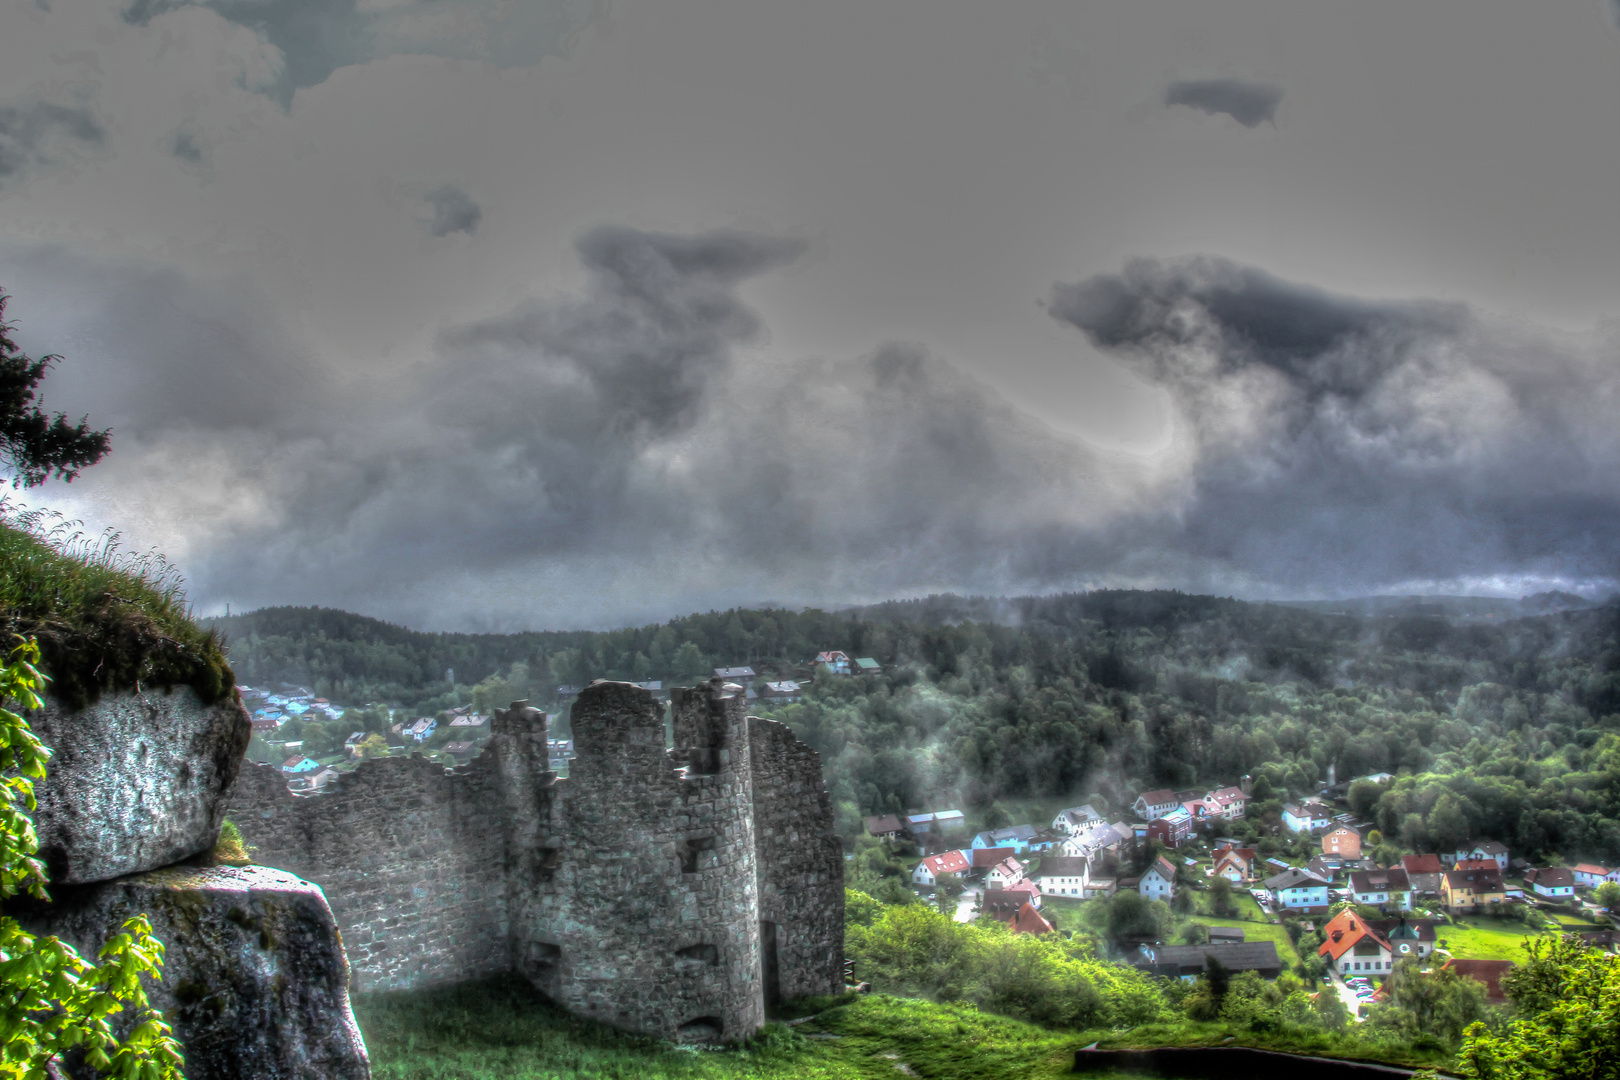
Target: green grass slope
point(503, 1029)
point(105, 620)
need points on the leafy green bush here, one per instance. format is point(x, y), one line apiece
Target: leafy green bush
point(52, 1000)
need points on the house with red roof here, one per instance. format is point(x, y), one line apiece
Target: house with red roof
point(1235, 864)
point(982, 860)
point(1423, 872)
point(1006, 873)
point(1231, 800)
point(1352, 948)
point(1590, 875)
point(1152, 804)
point(1030, 921)
point(929, 870)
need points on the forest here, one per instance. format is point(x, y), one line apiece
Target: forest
point(1502, 725)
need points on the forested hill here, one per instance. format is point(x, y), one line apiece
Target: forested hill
point(1116, 639)
point(1504, 728)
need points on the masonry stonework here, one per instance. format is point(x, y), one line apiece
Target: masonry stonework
point(676, 892)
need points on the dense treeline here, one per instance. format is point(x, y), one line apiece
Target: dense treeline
point(1506, 729)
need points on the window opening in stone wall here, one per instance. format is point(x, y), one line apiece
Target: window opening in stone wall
point(701, 1030)
point(697, 853)
point(546, 862)
point(698, 955)
point(770, 973)
point(545, 955)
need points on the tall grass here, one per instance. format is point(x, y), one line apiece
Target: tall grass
point(106, 618)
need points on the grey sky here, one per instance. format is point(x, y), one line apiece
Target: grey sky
point(474, 314)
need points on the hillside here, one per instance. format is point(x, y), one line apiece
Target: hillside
point(1100, 694)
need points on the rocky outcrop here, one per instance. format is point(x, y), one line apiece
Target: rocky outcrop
point(138, 781)
point(255, 981)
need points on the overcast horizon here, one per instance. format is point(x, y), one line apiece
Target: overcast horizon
point(574, 314)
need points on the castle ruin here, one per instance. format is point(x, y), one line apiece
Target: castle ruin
point(673, 892)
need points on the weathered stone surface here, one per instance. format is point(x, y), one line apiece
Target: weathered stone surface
point(254, 982)
point(671, 891)
point(137, 781)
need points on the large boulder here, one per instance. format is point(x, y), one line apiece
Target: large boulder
point(138, 781)
point(255, 981)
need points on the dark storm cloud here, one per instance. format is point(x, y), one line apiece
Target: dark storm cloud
point(453, 211)
point(186, 144)
point(624, 453)
point(1249, 103)
point(1342, 443)
point(35, 134)
point(314, 38)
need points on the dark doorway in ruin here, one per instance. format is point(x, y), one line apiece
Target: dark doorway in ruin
point(769, 972)
point(705, 1029)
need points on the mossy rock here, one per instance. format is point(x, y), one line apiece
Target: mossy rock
point(255, 980)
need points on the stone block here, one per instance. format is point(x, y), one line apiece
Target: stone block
point(137, 781)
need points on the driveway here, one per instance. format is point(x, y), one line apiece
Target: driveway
point(1347, 995)
point(965, 905)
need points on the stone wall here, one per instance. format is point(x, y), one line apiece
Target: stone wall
point(666, 891)
point(411, 858)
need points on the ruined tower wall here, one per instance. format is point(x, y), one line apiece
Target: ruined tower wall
point(800, 862)
point(648, 921)
point(410, 857)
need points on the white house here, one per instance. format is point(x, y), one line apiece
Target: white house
point(1231, 800)
point(1589, 874)
point(1093, 840)
point(1381, 888)
point(1076, 820)
point(1155, 804)
point(929, 870)
point(1005, 874)
point(1552, 882)
point(1062, 875)
point(1298, 889)
point(1306, 816)
point(1490, 849)
point(1159, 883)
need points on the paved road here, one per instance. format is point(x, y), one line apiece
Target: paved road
point(964, 905)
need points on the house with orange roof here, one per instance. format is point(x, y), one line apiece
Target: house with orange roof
point(1351, 947)
point(929, 870)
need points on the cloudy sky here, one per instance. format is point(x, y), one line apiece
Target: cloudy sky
point(483, 314)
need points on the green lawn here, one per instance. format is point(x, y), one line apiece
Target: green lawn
point(1241, 900)
point(1477, 938)
point(503, 1029)
point(1257, 931)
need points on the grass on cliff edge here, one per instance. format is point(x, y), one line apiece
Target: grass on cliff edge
point(105, 619)
point(501, 1028)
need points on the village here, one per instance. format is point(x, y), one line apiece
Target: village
point(456, 735)
point(1321, 906)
